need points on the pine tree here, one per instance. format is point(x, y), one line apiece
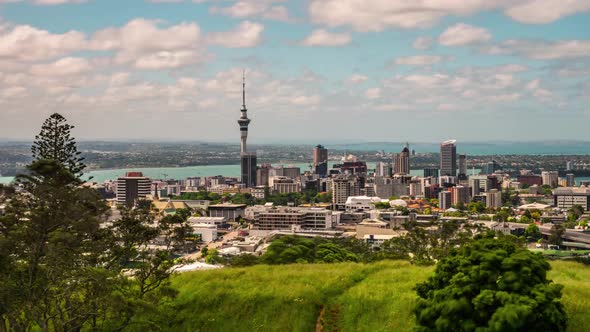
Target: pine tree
point(61, 269)
point(55, 142)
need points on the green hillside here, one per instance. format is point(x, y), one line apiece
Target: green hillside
point(343, 297)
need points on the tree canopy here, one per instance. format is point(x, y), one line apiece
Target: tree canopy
point(65, 267)
point(491, 284)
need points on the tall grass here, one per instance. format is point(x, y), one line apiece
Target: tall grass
point(575, 278)
point(352, 297)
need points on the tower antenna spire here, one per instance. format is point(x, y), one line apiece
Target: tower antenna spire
point(244, 88)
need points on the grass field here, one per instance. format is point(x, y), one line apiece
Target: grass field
point(338, 297)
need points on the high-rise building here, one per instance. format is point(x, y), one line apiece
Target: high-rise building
point(262, 175)
point(491, 167)
point(463, 165)
point(382, 169)
point(444, 200)
point(132, 187)
point(570, 180)
point(494, 199)
point(401, 162)
point(448, 158)
point(431, 172)
point(550, 178)
point(320, 160)
point(248, 160)
point(344, 186)
point(479, 184)
point(460, 194)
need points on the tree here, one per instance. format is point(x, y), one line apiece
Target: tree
point(491, 284)
point(213, 256)
point(55, 142)
point(525, 220)
point(556, 234)
point(532, 231)
point(63, 267)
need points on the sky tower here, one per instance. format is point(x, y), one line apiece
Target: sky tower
point(248, 160)
point(243, 121)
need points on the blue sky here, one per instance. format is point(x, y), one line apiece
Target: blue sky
point(317, 70)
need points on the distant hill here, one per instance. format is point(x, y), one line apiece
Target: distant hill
point(327, 297)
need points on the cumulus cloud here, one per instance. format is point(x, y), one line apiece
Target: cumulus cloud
point(373, 93)
point(545, 11)
point(377, 15)
point(247, 34)
point(146, 45)
point(543, 50)
point(356, 78)
point(254, 8)
point(422, 43)
point(62, 67)
point(418, 60)
point(321, 37)
point(27, 43)
point(463, 34)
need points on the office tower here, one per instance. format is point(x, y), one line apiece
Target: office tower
point(550, 178)
point(382, 169)
point(431, 172)
point(479, 184)
point(463, 165)
point(491, 167)
point(132, 187)
point(344, 186)
point(448, 158)
point(444, 200)
point(401, 162)
point(569, 165)
point(460, 194)
point(494, 199)
point(416, 188)
point(248, 160)
point(320, 160)
point(570, 180)
point(262, 175)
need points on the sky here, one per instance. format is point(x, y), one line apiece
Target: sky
point(316, 70)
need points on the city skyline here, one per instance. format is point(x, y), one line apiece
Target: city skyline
point(477, 71)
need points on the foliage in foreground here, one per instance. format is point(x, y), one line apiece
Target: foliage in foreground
point(492, 284)
point(62, 267)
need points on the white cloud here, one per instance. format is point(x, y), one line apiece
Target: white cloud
point(543, 50)
point(254, 8)
point(418, 60)
point(27, 43)
point(321, 37)
point(62, 67)
point(357, 78)
point(247, 34)
point(422, 43)
point(378, 15)
point(373, 93)
point(463, 34)
point(545, 11)
point(145, 45)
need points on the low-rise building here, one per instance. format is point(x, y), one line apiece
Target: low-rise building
point(231, 212)
point(567, 197)
point(285, 218)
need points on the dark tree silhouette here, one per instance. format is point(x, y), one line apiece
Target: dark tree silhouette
point(55, 142)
